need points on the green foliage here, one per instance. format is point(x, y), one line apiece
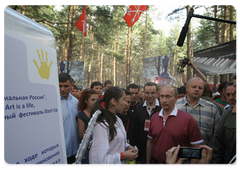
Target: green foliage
point(109, 30)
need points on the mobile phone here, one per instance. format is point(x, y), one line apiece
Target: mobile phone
point(191, 153)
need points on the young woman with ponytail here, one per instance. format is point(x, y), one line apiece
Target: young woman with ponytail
point(109, 142)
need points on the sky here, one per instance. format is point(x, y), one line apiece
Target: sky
point(164, 24)
point(159, 16)
point(162, 7)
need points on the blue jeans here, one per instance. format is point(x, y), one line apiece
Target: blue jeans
point(85, 159)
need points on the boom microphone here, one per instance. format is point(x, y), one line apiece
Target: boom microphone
point(182, 36)
point(185, 29)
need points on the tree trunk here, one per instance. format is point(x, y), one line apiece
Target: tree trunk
point(224, 25)
point(91, 35)
point(217, 42)
point(216, 25)
point(66, 42)
point(114, 71)
point(189, 70)
point(22, 10)
point(231, 25)
point(231, 36)
point(101, 67)
point(60, 54)
point(117, 66)
point(116, 81)
point(174, 58)
point(140, 58)
point(72, 32)
point(223, 77)
point(130, 56)
point(126, 59)
point(99, 61)
point(122, 77)
point(145, 45)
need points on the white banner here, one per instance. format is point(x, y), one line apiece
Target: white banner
point(33, 130)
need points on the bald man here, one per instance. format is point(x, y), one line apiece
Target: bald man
point(204, 112)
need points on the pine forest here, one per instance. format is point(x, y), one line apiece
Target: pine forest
point(113, 51)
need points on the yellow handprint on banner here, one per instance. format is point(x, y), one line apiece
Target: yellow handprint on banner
point(44, 70)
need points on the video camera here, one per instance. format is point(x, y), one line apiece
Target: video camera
point(185, 61)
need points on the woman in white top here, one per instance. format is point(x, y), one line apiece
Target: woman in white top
point(109, 144)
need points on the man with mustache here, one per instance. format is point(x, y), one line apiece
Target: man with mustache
point(230, 92)
point(224, 139)
point(205, 113)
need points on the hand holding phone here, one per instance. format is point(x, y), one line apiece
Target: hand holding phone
point(191, 153)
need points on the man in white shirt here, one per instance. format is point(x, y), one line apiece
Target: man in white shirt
point(143, 114)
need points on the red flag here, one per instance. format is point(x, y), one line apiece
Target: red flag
point(82, 22)
point(133, 13)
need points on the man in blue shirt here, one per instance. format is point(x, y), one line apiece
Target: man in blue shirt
point(69, 114)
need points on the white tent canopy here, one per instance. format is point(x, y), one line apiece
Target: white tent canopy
point(220, 59)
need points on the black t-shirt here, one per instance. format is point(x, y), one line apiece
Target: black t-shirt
point(81, 115)
point(128, 122)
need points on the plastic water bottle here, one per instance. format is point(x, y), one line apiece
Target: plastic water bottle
point(133, 161)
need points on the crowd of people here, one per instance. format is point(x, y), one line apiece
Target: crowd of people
point(149, 124)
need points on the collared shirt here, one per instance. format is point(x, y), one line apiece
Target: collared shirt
point(173, 113)
point(69, 118)
point(179, 129)
point(206, 115)
point(227, 106)
point(148, 109)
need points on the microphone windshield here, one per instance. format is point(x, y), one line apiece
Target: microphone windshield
point(182, 36)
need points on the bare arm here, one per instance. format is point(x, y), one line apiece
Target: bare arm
point(201, 75)
point(184, 78)
point(81, 128)
point(149, 150)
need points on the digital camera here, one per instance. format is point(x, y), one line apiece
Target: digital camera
point(185, 62)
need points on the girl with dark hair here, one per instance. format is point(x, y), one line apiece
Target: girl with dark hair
point(86, 101)
point(109, 143)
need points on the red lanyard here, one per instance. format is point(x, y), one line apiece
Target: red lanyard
point(127, 125)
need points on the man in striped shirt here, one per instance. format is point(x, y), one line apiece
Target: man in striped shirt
point(205, 113)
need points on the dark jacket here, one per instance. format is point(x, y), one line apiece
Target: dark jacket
point(224, 138)
point(140, 136)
